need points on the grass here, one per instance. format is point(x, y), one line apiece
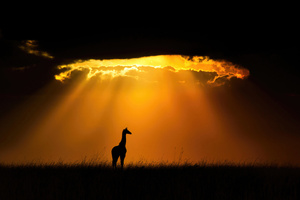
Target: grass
point(173, 181)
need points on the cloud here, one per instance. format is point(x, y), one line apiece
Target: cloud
point(156, 68)
point(30, 46)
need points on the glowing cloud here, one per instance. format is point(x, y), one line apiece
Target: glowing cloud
point(135, 67)
point(30, 46)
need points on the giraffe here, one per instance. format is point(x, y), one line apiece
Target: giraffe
point(120, 150)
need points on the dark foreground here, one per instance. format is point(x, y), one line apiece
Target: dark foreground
point(165, 182)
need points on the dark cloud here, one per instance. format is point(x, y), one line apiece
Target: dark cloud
point(31, 47)
point(23, 73)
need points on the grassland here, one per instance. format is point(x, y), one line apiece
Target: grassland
point(149, 182)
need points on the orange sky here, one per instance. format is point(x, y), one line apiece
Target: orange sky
point(176, 108)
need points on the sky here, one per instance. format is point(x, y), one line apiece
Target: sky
point(186, 95)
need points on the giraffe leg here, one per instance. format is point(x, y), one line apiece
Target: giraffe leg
point(114, 162)
point(122, 161)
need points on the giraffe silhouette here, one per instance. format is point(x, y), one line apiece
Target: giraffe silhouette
point(120, 150)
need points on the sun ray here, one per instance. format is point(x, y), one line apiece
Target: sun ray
point(162, 99)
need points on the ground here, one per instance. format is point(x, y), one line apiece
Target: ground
point(149, 182)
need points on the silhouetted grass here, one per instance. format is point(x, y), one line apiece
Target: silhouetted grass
point(202, 181)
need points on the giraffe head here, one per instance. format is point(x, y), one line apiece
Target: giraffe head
point(126, 131)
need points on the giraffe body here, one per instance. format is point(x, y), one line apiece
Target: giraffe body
point(120, 150)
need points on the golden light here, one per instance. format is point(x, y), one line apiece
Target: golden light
point(164, 102)
point(157, 97)
point(134, 66)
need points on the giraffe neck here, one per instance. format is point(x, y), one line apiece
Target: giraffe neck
point(123, 141)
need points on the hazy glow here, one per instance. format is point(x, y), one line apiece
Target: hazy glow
point(135, 67)
point(161, 101)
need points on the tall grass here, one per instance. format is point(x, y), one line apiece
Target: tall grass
point(90, 179)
